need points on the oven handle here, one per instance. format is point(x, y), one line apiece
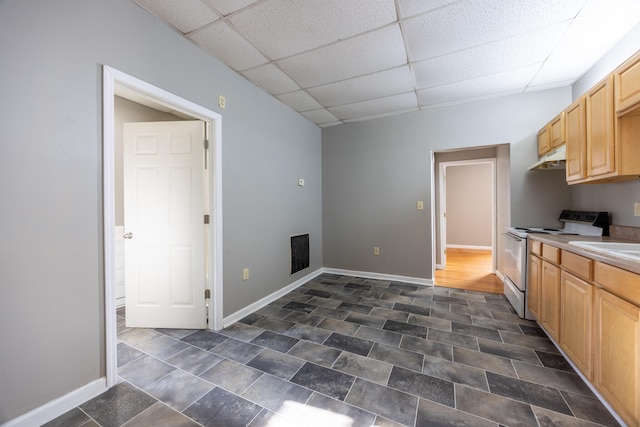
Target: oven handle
point(516, 238)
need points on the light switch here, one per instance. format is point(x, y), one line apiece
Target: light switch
point(222, 102)
point(420, 205)
point(301, 182)
point(636, 209)
point(376, 251)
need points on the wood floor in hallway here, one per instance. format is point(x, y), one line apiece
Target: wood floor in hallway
point(469, 269)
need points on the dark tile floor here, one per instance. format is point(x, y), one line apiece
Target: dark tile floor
point(344, 351)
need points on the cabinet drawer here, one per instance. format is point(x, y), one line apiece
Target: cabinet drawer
point(536, 247)
point(619, 282)
point(551, 253)
point(627, 84)
point(578, 265)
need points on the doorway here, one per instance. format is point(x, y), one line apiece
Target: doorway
point(465, 218)
point(118, 83)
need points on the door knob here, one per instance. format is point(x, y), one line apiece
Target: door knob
point(128, 235)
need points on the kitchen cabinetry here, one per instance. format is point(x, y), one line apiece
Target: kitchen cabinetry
point(534, 271)
point(544, 141)
point(617, 354)
point(600, 136)
point(576, 311)
point(557, 131)
point(627, 85)
point(550, 291)
point(576, 140)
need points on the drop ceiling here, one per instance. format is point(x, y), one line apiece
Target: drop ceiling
point(337, 61)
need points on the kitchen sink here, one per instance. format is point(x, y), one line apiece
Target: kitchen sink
point(625, 250)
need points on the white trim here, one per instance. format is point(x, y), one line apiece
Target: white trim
point(54, 408)
point(380, 276)
point(244, 312)
point(111, 80)
point(484, 248)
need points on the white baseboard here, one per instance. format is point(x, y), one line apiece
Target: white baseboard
point(53, 409)
point(233, 318)
point(380, 276)
point(482, 248)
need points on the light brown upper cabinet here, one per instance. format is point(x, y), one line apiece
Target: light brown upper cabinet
point(576, 137)
point(544, 141)
point(627, 85)
point(557, 131)
point(600, 136)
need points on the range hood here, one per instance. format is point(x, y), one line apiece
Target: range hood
point(552, 161)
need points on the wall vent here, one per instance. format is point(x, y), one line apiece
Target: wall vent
point(299, 252)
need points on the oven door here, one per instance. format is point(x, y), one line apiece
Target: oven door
point(515, 261)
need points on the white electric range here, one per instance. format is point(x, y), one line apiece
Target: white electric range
point(516, 248)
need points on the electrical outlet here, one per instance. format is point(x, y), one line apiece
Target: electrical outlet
point(245, 274)
point(376, 251)
point(222, 102)
point(420, 205)
point(636, 209)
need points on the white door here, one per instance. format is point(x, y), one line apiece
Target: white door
point(164, 207)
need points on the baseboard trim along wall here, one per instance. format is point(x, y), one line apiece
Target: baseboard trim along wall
point(53, 409)
point(380, 276)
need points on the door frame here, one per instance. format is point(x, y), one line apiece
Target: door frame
point(113, 81)
point(441, 219)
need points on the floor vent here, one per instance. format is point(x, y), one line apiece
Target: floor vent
point(299, 252)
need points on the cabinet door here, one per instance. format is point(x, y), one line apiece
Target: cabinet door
point(550, 299)
point(533, 285)
point(576, 136)
point(544, 141)
point(600, 137)
point(627, 84)
point(576, 321)
point(557, 131)
point(617, 354)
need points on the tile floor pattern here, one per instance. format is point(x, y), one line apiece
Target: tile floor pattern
point(343, 351)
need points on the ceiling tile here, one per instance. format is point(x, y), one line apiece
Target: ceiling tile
point(513, 52)
point(300, 101)
point(281, 28)
point(415, 7)
point(513, 81)
point(365, 54)
point(271, 78)
point(371, 86)
point(471, 23)
point(320, 116)
point(226, 7)
point(376, 107)
point(184, 15)
point(223, 42)
point(560, 70)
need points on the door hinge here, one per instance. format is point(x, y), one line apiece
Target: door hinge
point(207, 218)
point(207, 294)
point(205, 144)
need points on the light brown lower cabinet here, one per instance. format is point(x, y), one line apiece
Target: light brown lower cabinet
point(533, 285)
point(550, 299)
point(576, 320)
point(617, 354)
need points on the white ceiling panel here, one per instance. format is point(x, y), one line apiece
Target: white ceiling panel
point(365, 54)
point(271, 78)
point(280, 28)
point(227, 45)
point(226, 7)
point(469, 23)
point(498, 84)
point(489, 58)
point(376, 85)
point(376, 107)
point(300, 101)
point(184, 15)
point(410, 8)
point(321, 116)
point(337, 61)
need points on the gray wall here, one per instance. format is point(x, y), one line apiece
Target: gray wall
point(51, 258)
point(375, 171)
point(617, 198)
point(469, 205)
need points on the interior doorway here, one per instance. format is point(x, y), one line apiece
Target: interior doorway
point(117, 83)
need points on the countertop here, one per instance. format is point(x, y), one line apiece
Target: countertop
point(562, 241)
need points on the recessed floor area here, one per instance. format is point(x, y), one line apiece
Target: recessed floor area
point(344, 351)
